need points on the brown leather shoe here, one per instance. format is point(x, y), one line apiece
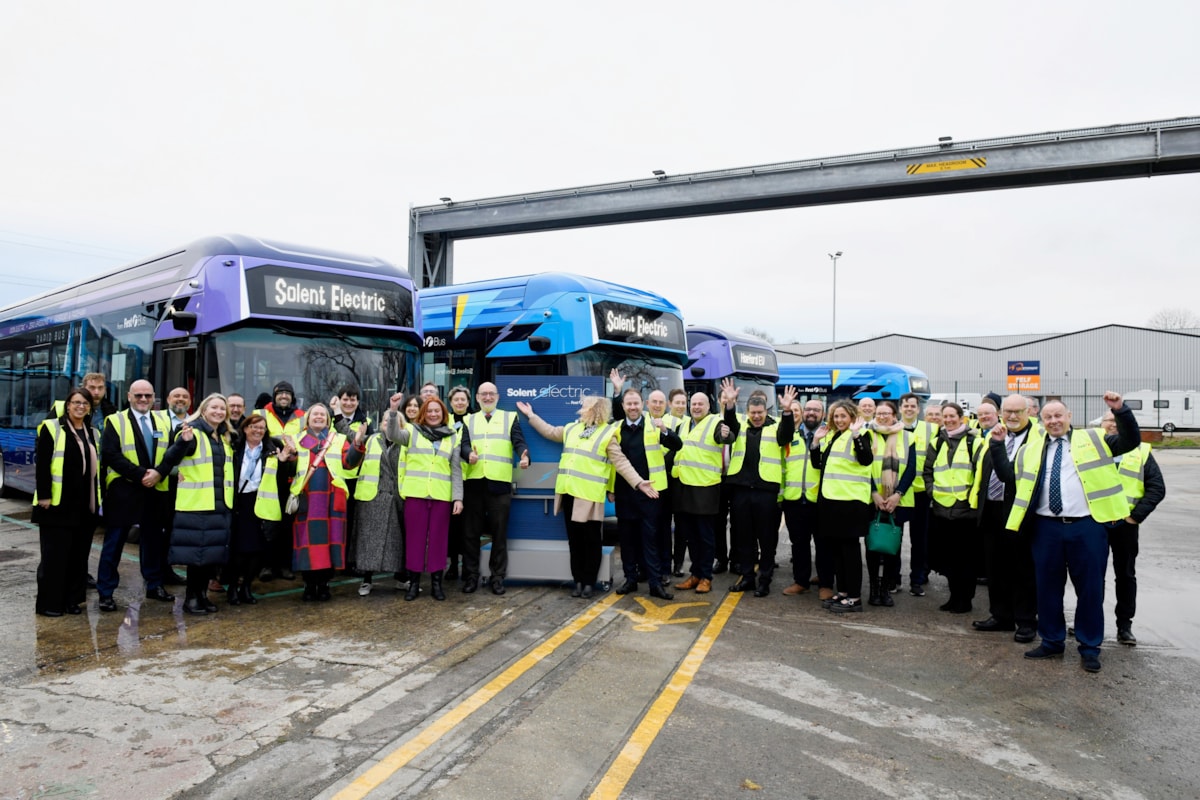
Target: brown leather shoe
point(824, 593)
point(691, 583)
point(794, 589)
point(704, 586)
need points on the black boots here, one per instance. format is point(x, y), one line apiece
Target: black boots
point(414, 586)
point(435, 585)
point(244, 595)
point(194, 605)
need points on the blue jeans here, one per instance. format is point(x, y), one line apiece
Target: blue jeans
point(1078, 549)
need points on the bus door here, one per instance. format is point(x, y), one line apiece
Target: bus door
point(177, 364)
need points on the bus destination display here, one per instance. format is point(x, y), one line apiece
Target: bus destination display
point(280, 291)
point(621, 322)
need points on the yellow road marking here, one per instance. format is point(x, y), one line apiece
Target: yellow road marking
point(395, 760)
point(631, 755)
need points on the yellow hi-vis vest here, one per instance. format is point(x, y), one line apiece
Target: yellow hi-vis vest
point(953, 481)
point(656, 459)
point(266, 501)
point(770, 454)
point(584, 467)
point(842, 477)
point(879, 446)
point(698, 462)
point(294, 426)
point(427, 467)
point(1132, 470)
point(197, 489)
point(924, 433)
point(491, 443)
point(126, 433)
point(56, 462)
point(367, 487)
point(1097, 470)
point(332, 460)
point(800, 476)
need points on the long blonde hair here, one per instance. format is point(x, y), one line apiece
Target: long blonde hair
point(222, 430)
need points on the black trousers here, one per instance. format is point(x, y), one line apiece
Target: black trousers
point(755, 513)
point(62, 573)
point(586, 540)
point(723, 525)
point(485, 512)
point(954, 542)
point(1123, 543)
point(918, 540)
point(801, 519)
point(1012, 587)
point(848, 563)
point(697, 529)
point(639, 547)
point(663, 532)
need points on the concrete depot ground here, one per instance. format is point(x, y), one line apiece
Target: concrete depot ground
point(495, 697)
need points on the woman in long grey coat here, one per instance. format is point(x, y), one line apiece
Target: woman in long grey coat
point(378, 521)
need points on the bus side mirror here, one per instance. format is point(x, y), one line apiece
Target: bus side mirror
point(183, 320)
point(538, 344)
point(697, 372)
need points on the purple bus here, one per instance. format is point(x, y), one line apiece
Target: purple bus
point(227, 314)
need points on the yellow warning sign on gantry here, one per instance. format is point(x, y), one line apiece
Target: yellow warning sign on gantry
point(946, 166)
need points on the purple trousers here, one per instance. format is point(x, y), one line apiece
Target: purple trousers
point(426, 533)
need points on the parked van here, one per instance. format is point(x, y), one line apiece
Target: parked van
point(1170, 411)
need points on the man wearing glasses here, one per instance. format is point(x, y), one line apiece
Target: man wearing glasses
point(131, 449)
point(492, 437)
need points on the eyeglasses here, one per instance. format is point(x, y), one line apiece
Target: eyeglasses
point(147, 396)
point(80, 403)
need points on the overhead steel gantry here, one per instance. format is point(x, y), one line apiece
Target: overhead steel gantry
point(1141, 149)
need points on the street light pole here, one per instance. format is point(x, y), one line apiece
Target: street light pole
point(833, 340)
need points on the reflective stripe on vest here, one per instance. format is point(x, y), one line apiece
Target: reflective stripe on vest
point(698, 463)
point(427, 467)
point(1097, 469)
point(656, 460)
point(126, 433)
point(1132, 469)
point(583, 469)
point(954, 478)
point(770, 454)
point(800, 477)
point(294, 426)
point(367, 486)
point(842, 477)
point(336, 474)
point(197, 489)
point(56, 460)
point(879, 442)
point(924, 433)
point(491, 443)
point(266, 502)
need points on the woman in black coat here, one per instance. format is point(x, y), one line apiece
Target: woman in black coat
point(66, 447)
point(255, 515)
point(200, 538)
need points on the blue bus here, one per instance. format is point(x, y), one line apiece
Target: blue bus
point(852, 380)
point(550, 324)
point(228, 314)
point(549, 339)
point(714, 354)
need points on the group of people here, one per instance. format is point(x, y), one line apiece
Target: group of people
point(286, 490)
point(236, 497)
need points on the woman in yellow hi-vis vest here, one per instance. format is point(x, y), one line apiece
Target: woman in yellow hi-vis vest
point(257, 507)
point(841, 449)
point(65, 505)
point(950, 465)
point(204, 500)
point(582, 483)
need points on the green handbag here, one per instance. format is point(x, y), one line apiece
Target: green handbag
point(884, 535)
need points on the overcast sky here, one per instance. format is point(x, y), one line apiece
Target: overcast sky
point(130, 128)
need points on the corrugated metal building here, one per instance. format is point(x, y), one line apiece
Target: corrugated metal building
point(1076, 367)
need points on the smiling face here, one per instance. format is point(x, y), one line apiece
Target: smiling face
point(236, 405)
point(950, 418)
point(487, 395)
point(460, 402)
point(987, 415)
point(141, 396)
point(348, 403)
point(632, 404)
point(79, 405)
point(1056, 418)
point(318, 418)
point(699, 405)
point(255, 430)
point(910, 408)
point(1015, 412)
point(679, 405)
point(214, 412)
point(933, 414)
point(179, 401)
point(885, 416)
point(866, 408)
point(412, 408)
point(656, 403)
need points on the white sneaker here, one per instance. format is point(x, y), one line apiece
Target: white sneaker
point(364, 589)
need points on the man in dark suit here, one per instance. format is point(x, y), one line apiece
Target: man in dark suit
point(1012, 589)
point(644, 442)
point(131, 448)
